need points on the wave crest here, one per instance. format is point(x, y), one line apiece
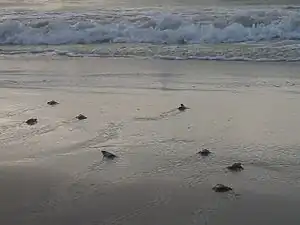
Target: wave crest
point(156, 27)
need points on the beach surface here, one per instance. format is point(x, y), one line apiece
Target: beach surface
point(53, 172)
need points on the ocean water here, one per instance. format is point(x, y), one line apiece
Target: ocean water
point(171, 29)
point(53, 172)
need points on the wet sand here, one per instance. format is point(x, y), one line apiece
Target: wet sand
point(53, 172)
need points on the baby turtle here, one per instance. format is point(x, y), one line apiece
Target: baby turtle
point(108, 155)
point(182, 107)
point(81, 117)
point(52, 102)
point(221, 188)
point(235, 167)
point(204, 152)
point(31, 121)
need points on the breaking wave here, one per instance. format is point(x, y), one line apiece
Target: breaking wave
point(249, 34)
point(156, 27)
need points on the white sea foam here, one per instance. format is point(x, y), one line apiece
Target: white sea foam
point(186, 27)
point(220, 34)
point(234, 52)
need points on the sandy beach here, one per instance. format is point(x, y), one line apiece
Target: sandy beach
point(54, 173)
